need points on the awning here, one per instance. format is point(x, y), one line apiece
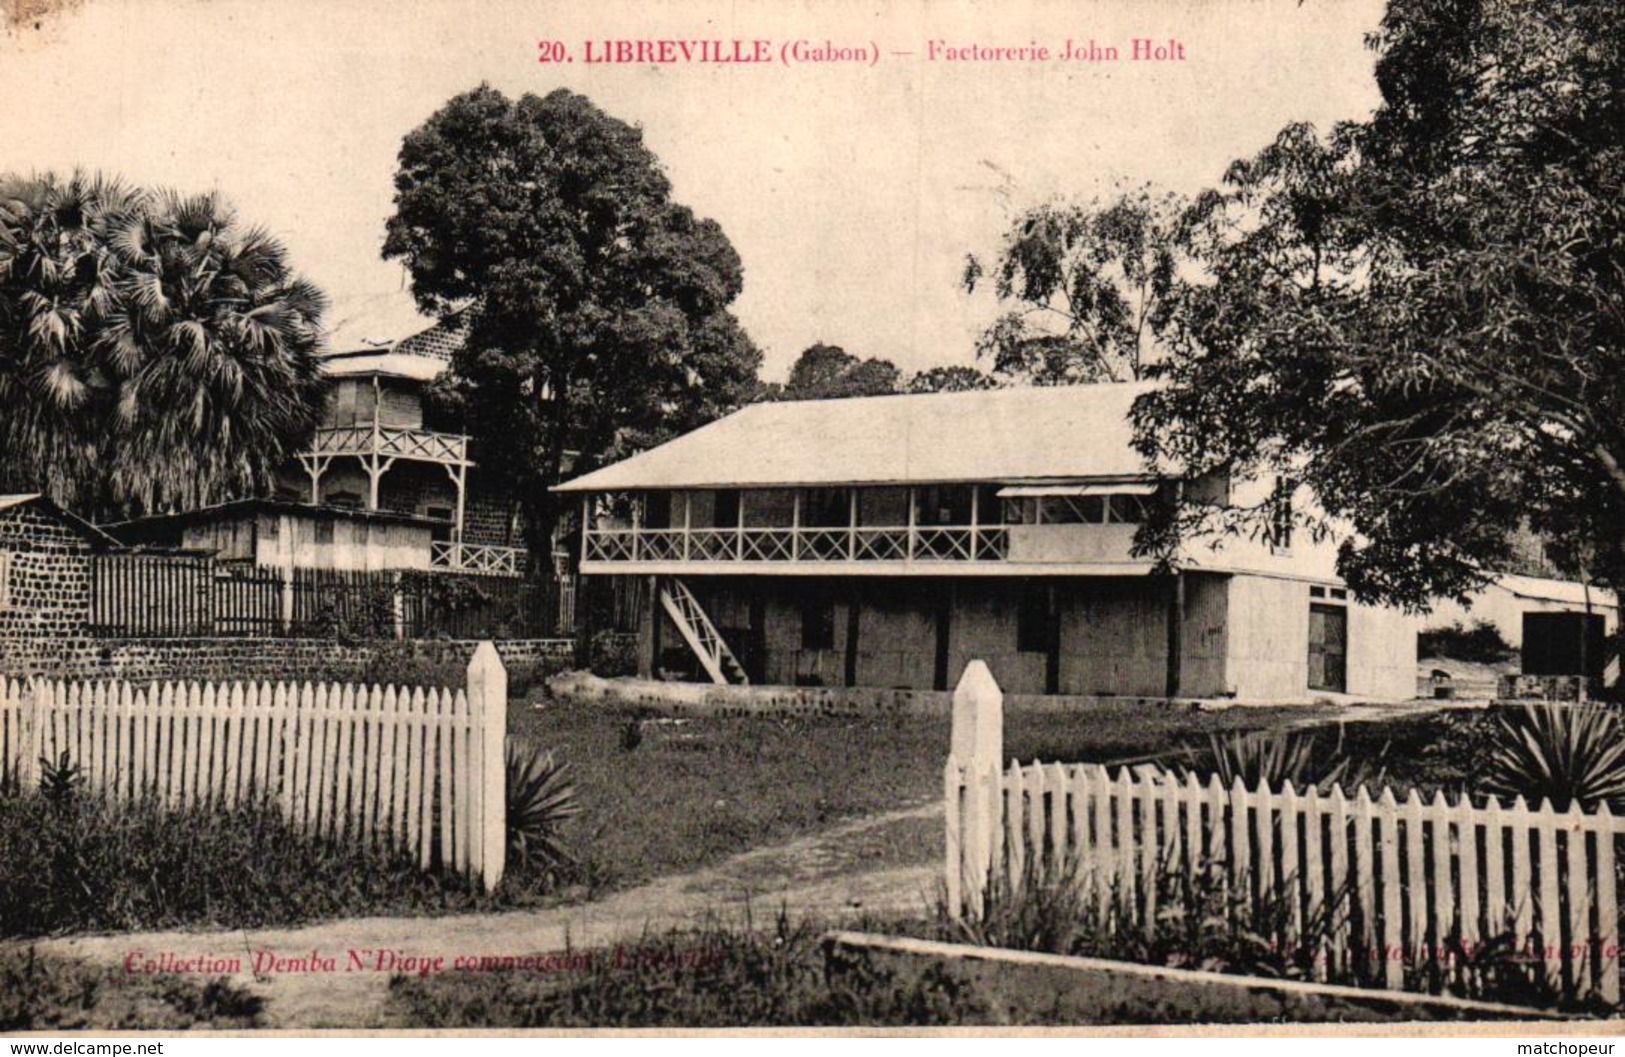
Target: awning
point(1025, 491)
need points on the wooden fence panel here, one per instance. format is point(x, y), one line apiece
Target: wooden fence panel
point(375, 765)
point(1395, 894)
point(145, 595)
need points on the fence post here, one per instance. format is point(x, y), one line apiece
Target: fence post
point(286, 575)
point(397, 605)
point(488, 695)
point(975, 754)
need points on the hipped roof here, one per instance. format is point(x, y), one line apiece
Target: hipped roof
point(1003, 435)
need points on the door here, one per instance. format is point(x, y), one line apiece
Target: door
point(1328, 648)
point(1565, 644)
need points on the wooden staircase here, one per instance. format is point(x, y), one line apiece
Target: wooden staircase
point(701, 635)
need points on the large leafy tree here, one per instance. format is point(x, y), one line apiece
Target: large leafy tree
point(597, 307)
point(154, 352)
point(829, 372)
point(1090, 289)
point(1423, 315)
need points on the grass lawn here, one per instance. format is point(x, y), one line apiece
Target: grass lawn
point(709, 977)
point(693, 791)
point(41, 993)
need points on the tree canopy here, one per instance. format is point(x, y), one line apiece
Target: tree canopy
point(1422, 316)
point(154, 352)
point(957, 378)
point(597, 306)
point(1092, 288)
point(829, 372)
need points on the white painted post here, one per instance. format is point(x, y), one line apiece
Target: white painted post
point(976, 748)
point(978, 725)
point(488, 694)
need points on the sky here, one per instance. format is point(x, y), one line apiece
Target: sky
point(852, 190)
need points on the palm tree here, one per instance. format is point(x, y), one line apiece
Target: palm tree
point(153, 352)
point(57, 284)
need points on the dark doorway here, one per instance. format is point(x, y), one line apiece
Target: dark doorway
point(1328, 648)
point(1553, 644)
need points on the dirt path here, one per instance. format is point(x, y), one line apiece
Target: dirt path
point(838, 873)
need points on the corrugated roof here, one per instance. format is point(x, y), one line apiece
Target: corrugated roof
point(389, 364)
point(1025, 434)
point(422, 355)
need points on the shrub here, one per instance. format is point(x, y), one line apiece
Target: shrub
point(541, 799)
point(1481, 643)
point(1205, 920)
point(43, 993)
point(715, 976)
point(84, 863)
point(1562, 752)
point(416, 664)
point(612, 653)
point(409, 664)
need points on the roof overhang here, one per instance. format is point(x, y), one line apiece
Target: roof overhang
point(1041, 491)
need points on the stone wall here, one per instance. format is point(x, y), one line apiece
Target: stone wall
point(45, 585)
point(253, 658)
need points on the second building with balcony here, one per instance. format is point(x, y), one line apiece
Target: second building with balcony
point(887, 541)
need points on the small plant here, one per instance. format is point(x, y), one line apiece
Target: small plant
point(1207, 918)
point(1273, 758)
point(1565, 753)
point(40, 992)
point(611, 654)
point(1496, 969)
point(61, 781)
point(541, 798)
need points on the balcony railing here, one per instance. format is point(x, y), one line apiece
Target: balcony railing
point(477, 559)
point(922, 543)
point(391, 442)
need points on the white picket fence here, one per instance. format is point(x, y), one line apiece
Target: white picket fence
point(1405, 892)
point(413, 769)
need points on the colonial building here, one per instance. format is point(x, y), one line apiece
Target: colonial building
point(379, 449)
point(887, 541)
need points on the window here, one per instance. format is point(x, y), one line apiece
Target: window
point(1020, 511)
point(657, 510)
point(825, 508)
point(1033, 625)
point(726, 511)
point(1125, 509)
point(1096, 509)
point(441, 532)
point(324, 531)
point(1279, 533)
point(1072, 509)
point(942, 505)
point(818, 624)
